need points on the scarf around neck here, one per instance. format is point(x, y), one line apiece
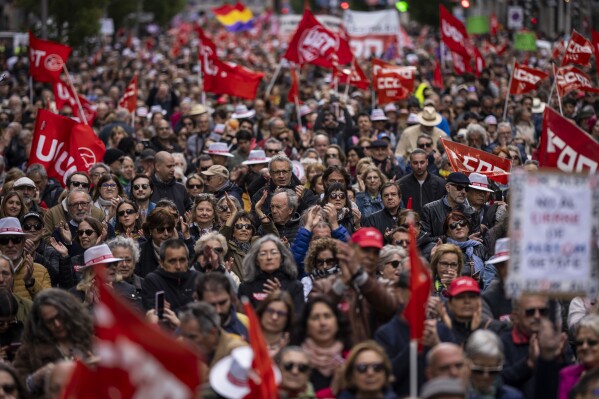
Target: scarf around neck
point(467, 248)
point(325, 360)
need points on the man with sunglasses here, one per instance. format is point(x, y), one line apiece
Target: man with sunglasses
point(43, 252)
point(141, 192)
point(29, 277)
point(295, 373)
point(421, 185)
point(435, 213)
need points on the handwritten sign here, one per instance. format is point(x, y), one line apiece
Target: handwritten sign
point(554, 227)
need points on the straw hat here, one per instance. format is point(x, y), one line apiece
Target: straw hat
point(429, 117)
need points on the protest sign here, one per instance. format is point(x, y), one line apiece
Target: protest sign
point(288, 25)
point(525, 41)
point(552, 219)
point(372, 33)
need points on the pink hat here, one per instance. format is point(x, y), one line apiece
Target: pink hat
point(98, 255)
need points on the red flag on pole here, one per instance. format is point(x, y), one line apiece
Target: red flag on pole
point(129, 99)
point(354, 76)
point(563, 145)
point(453, 32)
point(392, 82)
point(479, 62)
point(579, 50)
point(420, 289)
point(595, 38)
point(138, 359)
point(293, 94)
point(264, 386)
point(63, 95)
point(46, 59)
point(569, 78)
point(525, 79)
point(312, 43)
point(64, 146)
point(461, 63)
point(467, 160)
point(438, 76)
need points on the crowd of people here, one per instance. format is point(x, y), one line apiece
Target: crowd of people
point(308, 213)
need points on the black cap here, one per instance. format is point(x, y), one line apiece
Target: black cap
point(458, 178)
point(112, 155)
point(379, 144)
point(148, 154)
point(32, 215)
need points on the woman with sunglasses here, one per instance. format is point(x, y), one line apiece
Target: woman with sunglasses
point(158, 227)
point(334, 156)
point(240, 234)
point(107, 195)
point(368, 198)
point(223, 211)
point(203, 216)
point(128, 222)
point(194, 185)
point(367, 373)
point(322, 332)
point(11, 385)
point(347, 216)
point(295, 372)
point(276, 317)
point(12, 205)
point(457, 230)
point(321, 265)
point(389, 263)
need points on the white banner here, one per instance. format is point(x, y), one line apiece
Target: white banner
point(288, 25)
point(553, 228)
point(372, 33)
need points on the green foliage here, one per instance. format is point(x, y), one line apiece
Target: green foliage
point(164, 10)
point(427, 12)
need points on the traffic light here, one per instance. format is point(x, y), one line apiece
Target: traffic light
point(344, 5)
point(465, 3)
point(402, 6)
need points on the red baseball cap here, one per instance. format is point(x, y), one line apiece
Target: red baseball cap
point(463, 284)
point(368, 237)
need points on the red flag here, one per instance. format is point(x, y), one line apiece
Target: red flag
point(565, 146)
point(392, 82)
point(409, 205)
point(525, 79)
point(595, 38)
point(354, 76)
point(293, 94)
point(420, 289)
point(46, 59)
point(569, 78)
point(64, 146)
point(264, 386)
point(461, 63)
point(453, 32)
point(467, 160)
point(63, 95)
point(493, 25)
point(139, 359)
point(438, 76)
point(579, 50)
point(312, 43)
point(129, 99)
point(479, 62)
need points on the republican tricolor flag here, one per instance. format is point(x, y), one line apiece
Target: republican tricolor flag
point(235, 18)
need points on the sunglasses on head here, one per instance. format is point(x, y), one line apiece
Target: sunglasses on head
point(32, 227)
point(6, 240)
point(88, 233)
point(126, 212)
point(301, 367)
point(455, 225)
point(243, 226)
point(79, 184)
point(362, 368)
point(142, 186)
point(460, 188)
point(337, 196)
point(543, 312)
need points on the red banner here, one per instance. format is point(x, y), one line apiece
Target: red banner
point(525, 79)
point(312, 43)
point(223, 78)
point(565, 146)
point(129, 100)
point(392, 82)
point(453, 33)
point(138, 359)
point(63, 95)
point(355, 76)
point(579, 50)
point(46, 59)
point(595, 37)
point(64, 146)
point(461, 63)
point(569, 78)
point(467, 160)
point(479, 62)
point(293, 94)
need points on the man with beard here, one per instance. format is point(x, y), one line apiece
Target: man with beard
point(420, 185)
point(379, 152)
point(141, 191)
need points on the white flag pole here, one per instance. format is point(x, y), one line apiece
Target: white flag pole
point(81, 113)
point(559, 98)
point(507, 94)
point(413, 368)
point(274, 78)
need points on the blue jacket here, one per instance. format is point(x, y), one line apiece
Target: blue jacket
point(300, 246)
point(368, 205)
point(503, 392)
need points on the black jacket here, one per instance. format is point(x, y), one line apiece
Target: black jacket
point(173, 191)
point(232, 189)
point(254, 289)
point(288, 230)
point(308, 199)
point(381, 220)
point(178, 288)
point(495, 303)
point(434, 214)
point(431, 190)
point(147, 260)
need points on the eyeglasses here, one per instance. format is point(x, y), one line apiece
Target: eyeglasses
point(402, 243)
point(6, 240)
point(280, 172)
point(425, 145)
point(9, 389)
point(82, 233)
point(362, 368)
point(126, 212)
point(589, 342)
point(530, 312)
point(272, 150)
point(301, 367)
point(79, 184)
point(447, 265)
point(79, 204)
point(331, 156)
point(327, 261)
point(164, 229)
point(195, 186)
point(337, 196)
point(461, 223)
point(394, 263)
point(141, 186)
point(460, 188)
point(222, 208)
point(109, 185)
point(279, 313)
point(243, 226)
point(32, 227)
point(486, 370)
point(264, 254)
point(218, 250)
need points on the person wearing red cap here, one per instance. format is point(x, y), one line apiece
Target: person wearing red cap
point(367, 302)
point(464, 313)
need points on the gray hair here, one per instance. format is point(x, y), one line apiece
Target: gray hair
point(272, 140)
point(203, 313)
point(387, 253)
point(287, 349)
point(121, 114)
point(504, 124)
point(250, 261)
point(292, 200)
point(37, 169)
point(99, 165)
point(77, 190)
point(10, 264)
point(484, 343)
point(476, 128)
point(181, 157)
point(591, 322)
point(280, 158)
point(127, 243)
point(213, 235)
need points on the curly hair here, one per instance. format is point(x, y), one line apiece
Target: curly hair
point(127, 243)
point(209, 198)
point(317, 247)
point(250, 262)
point(71, 312)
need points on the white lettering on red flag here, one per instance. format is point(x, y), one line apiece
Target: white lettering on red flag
point(466, 159)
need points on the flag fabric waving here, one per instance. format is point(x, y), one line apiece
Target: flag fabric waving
point(420, 288)
point(563, 145)
point(354, 76)
point(392, 82)
point(579, 50)
point(312, 43)
point(525, 79)
point(62, 146)
point(235, 18)
point(570, 78)
point(264, 386)
point(63, 95)
point(129, 99)
point(138, 359)
point(595, 38)
point(46, 59)
point(453, 33)
point(467, 160)
point(293, 94)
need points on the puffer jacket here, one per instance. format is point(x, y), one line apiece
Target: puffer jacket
point(42, 281)
point(254, 290)
point(288, 230)
point(300, 246)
